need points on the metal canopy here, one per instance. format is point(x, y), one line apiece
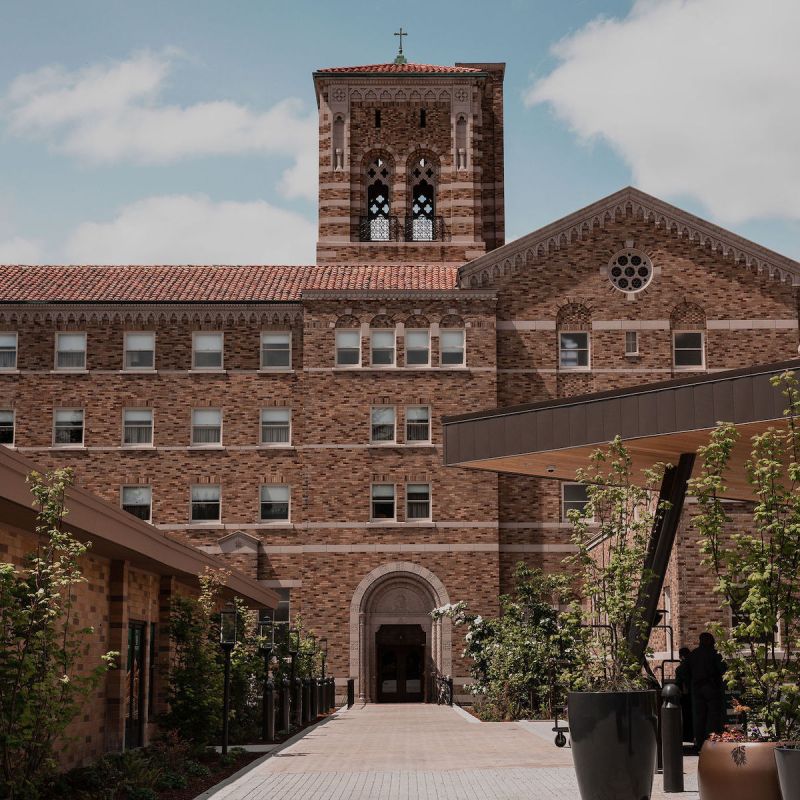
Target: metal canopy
point(658, 423)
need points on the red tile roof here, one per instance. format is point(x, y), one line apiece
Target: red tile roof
point(191, 283)
point(412, 68)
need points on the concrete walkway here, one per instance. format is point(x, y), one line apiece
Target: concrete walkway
point(410, 752)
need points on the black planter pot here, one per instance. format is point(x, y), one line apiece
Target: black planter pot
point(614, 740)
point(788, 761)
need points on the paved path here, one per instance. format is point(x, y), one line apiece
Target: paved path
point(412, 752)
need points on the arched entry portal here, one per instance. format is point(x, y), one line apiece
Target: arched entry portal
point(397, 599)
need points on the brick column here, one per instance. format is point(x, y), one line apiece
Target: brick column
point(118, 640)
point(165, 650)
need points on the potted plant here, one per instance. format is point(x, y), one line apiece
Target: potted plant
point(757, 573)
point(612, 709)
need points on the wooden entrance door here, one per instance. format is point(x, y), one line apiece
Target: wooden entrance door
point(134, 686)
point(400, 664)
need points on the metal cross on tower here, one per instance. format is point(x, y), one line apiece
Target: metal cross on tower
point(400, 58)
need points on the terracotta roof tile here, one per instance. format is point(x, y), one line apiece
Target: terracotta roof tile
point(192, 283)
point(408, 68)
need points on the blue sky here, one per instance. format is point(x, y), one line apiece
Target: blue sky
point(183, 131)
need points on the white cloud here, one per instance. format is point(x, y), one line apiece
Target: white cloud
point(19, 250)
point(699, 97)
point(105, 114)
point(192, 229)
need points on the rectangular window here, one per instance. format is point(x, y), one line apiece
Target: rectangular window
point(137, 500)
point(8, 350)
point(6, 426)
point(418, 424)
point(382, 501)
point(206, 426)
point(70, 351)
point(207, 351)
point(140, 350)
point(348, 348)
point(382, 346)
point(574, 497)
point(631, 343)
point(688, 349)
point(276, 350)
point(275, 503)
point(276, 425)
point(451, 344)
point(206, 503)
point(68, 428)
point(418, 348)
point(573, 350)
point(418, 501)
point(383, 424)
point(137, 426)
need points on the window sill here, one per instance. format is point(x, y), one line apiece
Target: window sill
point(69, 371)
point(385, 444)
point(694, 368)
point(275, 523)
point(205, 447)
point(347, 368)
point(377, 523)
point(150, 446)
point(276, 371)
point(138, 372)
point(209, 523)
point(208, 371)
point(284, 446)
point(69, 447)
point(574, 369)
point(7, 371)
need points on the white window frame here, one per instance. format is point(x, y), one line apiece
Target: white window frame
point(14, 426)
point(149, 444)
point(383, 442)
point(191, 502)
point(429, 518)
point(393, 333)
point(125, 367)
point(282, 521)
point(261, 411)
point(15, 368)
point(382, 520)
point(426, 331)
point(690, 367)
point(336, 333)
point(463, 363)
point(76, 445)
point(416, 442)
point(579, 367)
point(635, 350)
point(264, 367)
point(208, 445)
point(221, 367)
point(125, 486)
point(58, 335)
point(564, 510)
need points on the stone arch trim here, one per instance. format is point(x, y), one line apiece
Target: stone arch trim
point(360, 646)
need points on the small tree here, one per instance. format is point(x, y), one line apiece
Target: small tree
point(40, 644)
point(611, 535)
point(757, 570)
point(516, 657)
point(196, 676)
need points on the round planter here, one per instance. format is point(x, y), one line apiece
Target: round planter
point(614, 739)
point(788, 762)
point(738, 771)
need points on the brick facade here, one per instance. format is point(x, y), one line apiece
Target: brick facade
point(512, 302)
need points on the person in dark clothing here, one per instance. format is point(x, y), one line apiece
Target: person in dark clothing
point(684, 684)
point(706, 670)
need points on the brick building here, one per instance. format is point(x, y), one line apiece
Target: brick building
point(288, 418)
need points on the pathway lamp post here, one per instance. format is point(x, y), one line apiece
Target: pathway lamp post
point(313, 709)
point(266, 635)
point(323, 648)
point(227, 641)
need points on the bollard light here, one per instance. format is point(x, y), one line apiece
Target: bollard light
point(227, 626)
point(227, 640)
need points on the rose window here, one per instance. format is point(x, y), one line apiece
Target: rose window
point(630, 270)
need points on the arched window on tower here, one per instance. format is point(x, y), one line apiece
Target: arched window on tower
point(421, 224)
point(338, 143)
point(461, 142)
point(376, 225)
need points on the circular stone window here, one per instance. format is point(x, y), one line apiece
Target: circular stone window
point(630, 270)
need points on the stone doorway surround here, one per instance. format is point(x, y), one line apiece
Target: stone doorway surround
point(398, 593)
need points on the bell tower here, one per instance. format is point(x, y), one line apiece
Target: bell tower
point(410, 162)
